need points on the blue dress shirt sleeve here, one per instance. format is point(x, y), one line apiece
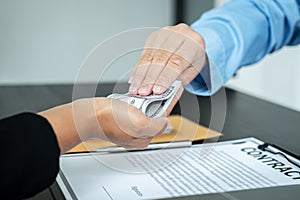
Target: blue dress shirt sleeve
point(241, 33)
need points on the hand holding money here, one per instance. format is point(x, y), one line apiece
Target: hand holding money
point(153, 105)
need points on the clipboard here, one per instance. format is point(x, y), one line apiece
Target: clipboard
point(240, 161)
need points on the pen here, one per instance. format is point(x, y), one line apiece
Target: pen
point(152, 146)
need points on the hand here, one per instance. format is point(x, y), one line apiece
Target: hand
point(173, 52)
point(108, 119)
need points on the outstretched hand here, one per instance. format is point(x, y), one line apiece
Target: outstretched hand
point(103, 118)
point(171, 53)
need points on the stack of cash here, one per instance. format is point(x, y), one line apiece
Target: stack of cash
point(153, 105)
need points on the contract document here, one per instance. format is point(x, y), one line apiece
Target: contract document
point(164, 173)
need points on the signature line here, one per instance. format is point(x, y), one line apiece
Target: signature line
point(105, 190)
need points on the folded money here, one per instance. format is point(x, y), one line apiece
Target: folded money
point(153, 105)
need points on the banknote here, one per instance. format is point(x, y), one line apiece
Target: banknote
point(153, 105)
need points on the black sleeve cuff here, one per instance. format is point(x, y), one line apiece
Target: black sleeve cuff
point(30, 155)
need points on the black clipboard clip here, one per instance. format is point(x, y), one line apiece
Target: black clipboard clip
point(271, 148)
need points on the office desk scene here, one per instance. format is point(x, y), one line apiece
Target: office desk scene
point(244, 119)
point(174, 99)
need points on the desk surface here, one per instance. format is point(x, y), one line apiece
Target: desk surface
point(245, 115)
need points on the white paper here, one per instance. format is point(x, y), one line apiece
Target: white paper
point(167, 173)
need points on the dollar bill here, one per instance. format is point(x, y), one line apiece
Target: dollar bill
point(153, 105)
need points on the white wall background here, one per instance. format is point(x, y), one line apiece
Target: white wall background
point(46, 41)
point(276, 78)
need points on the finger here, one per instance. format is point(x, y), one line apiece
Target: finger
point(141, 143)
point(158, 63)
point(155, 127)
point(143, 126)
point(175, 66)
point(188, 75)
point(132, 75)
point(157, 39)
point(160, 60)
point(193, 42)
point(197, 57)
point(131, 121)
point(143, 55)
point(154, 42)
point(199, 61)
point(188, 32)
point(141, 70)
point(135, 143)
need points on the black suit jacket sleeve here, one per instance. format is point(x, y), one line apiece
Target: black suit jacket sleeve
point(29, 155)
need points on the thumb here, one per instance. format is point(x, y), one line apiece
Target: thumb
point(155, 127)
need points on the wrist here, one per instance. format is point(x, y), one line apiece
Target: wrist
point(61, 120)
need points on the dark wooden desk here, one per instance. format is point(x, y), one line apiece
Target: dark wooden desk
point(245, 115)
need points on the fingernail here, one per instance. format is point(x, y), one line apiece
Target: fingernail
point(144, 90)
point(130, 80)
point(158, 89)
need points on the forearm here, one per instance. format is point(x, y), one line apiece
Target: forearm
point(63, 124)
point(102, 118)
point(76, 122)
